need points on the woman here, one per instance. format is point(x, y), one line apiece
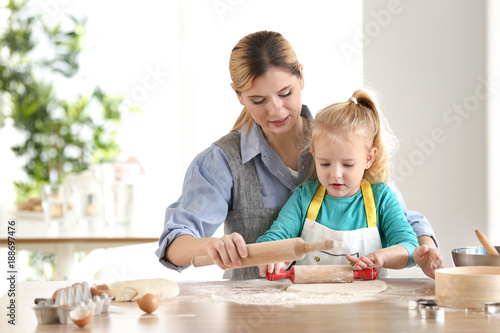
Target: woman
point(246, 177)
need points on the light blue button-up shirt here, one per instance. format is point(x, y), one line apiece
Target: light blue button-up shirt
point(207, 190)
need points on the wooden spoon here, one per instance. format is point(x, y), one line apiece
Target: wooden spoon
point(490, 249)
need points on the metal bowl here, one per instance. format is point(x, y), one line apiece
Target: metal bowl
point(474, 256)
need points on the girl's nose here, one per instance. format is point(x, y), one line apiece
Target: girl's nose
point(336, 174)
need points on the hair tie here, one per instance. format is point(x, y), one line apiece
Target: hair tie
point(353, 99)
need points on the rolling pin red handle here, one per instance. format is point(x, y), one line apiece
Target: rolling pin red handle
point(290, 274)
point(366, 274)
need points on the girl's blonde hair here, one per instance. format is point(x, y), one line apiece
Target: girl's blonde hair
point(252, 57)
point(358, 117)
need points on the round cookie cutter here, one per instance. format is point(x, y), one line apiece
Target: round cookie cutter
point(492, 307)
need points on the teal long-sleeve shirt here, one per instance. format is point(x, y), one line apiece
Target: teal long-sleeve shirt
point(345, 214)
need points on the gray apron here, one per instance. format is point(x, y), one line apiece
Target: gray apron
point(247, 215)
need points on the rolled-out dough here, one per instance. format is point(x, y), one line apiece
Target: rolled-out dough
point(354, 288)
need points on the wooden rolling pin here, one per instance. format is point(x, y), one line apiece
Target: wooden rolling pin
point(272, 252)
point(323, 274)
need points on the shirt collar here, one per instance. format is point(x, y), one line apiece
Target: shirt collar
point(255, 143)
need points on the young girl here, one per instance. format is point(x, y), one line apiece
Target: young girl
point(349, 202)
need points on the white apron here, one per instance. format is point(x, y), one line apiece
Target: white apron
point(359, 242)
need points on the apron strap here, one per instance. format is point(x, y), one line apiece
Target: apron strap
point(371, 215)
point(316, 202)
point(366, 189)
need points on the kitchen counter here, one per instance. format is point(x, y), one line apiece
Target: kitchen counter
point(205, 307)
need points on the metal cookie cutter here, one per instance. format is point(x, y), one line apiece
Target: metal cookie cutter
point(492, 307)
point(420, 304)
point(427, 309)
point(432, 312)
point(424, 308)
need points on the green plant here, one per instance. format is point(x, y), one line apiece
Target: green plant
point(42, 266)
point(62, 135)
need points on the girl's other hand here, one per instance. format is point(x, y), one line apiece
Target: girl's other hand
point(273, 268)
point(365, 262)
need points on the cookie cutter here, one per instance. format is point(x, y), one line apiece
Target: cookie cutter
point(492, 307)
point(423, 303)
point(420, 303)
point(427, 309)
point(432, 312)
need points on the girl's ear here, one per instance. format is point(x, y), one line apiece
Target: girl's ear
point(370, 157)
point(240, 98)
point(312, 150)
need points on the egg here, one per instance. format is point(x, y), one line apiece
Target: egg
point(97, 290)
point(54, 295)
point(149, 303)
point(81, 317)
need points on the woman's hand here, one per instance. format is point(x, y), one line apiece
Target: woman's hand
point(273, 268)
point(227, 250)
point(365, 262)
point(429, 259)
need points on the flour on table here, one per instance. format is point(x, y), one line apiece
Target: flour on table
point(354, 288)
point(262, 293)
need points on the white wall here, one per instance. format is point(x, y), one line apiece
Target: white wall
point(493, 119)
point(428, 60)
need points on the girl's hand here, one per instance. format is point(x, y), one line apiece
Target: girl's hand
point(273, 268)
point(365, 262)
point(227, 250)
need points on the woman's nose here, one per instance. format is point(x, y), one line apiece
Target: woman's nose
point(276, 106)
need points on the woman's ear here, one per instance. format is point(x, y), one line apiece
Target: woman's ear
point(370, 158)
point(301, 79)
point(238, 94)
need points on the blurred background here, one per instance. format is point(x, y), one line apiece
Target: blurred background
point(162, 72)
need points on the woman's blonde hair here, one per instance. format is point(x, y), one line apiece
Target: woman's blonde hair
point(252, 57)
point(358, 117)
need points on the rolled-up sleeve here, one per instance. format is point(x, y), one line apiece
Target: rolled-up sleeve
point(203, 204)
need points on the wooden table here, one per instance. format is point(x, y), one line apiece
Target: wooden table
point(198, 309)
point(67, 239)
